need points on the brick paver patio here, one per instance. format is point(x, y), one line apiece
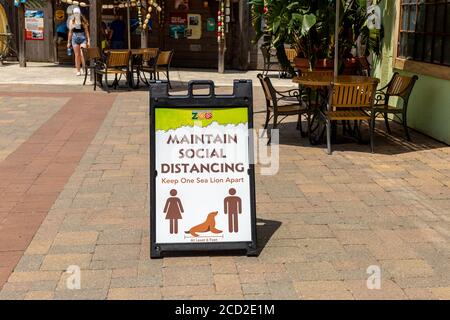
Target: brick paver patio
point(322, 220)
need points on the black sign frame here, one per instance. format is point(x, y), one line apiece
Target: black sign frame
point(242, 97)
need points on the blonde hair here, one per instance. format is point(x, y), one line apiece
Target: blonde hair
point(84, 22)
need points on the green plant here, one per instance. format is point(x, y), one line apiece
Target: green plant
point(309, 27)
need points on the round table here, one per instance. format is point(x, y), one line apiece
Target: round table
point(320, 83)
point(312, 80)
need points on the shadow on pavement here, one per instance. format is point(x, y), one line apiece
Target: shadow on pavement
point(385, 144)
point(265, 229)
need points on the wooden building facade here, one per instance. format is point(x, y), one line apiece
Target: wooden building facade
point(189, 27)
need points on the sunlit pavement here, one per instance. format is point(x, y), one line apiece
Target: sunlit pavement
point(52, 74)
point(74, 185)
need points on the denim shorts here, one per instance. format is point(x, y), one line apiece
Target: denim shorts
point(78, 38)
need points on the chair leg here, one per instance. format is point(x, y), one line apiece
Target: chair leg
point(357, 131)
point(168, 78)
point(266, 124)
point(328, 136)
point(106, 82)
point(130, 79)
point(308, 119)
point(85, 75)
point(95, 81)
point(405, 126)
point(300, 127)
point(138, 76)
point(274, 127)
point(386, 123)
point(299, 122)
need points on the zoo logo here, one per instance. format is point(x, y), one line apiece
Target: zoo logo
point(202, 115)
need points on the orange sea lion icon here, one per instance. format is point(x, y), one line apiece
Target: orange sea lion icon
point(208, 226)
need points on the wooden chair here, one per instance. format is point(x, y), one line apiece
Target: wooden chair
point(291, 55)
point(92, 59)
point(117, 63)
point(281, 104)
point(267, 60)
point(149, 60)
point(350, 101)
point(401, 87)
point(163, 63)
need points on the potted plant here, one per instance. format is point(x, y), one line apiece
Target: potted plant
point(309, 27)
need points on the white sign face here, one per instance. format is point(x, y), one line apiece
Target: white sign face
point(194, 26)
point(202, 182)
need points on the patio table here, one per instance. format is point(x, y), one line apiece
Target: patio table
point(135, 58)
point(135, 64)
point(320, 83)
point(315, 81)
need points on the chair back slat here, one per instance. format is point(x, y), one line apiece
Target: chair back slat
point(150, 56)
point(401, 86)
point(164, 58)
point(118, 58)
point(265, 87)
point(91, 53)
point(346, 95)
point(291, 54)
point(149, 53)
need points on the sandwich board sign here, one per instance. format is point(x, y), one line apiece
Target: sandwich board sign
point(202, 189)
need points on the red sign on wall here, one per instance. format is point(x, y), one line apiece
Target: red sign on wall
point(34, 25)
point(178, 18)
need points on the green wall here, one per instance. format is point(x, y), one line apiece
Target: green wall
point(429, 105)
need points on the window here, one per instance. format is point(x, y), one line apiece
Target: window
point(425, 31)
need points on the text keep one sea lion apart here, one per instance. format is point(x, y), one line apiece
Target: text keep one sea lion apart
point(203, 139)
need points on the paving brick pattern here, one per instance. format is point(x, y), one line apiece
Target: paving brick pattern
point(322, 221)
point(34, 174)
point(21, 117)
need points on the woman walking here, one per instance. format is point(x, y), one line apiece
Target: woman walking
point(78, 37)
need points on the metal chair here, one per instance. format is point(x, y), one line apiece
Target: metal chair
point(163, 63)
point(92, 58)
point(350, 101)
point(117, 63)
point(401, 87)
point(281, 104)
point(267, 59)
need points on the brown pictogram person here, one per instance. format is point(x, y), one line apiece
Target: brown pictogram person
point(173, 210)
point(232, 207)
